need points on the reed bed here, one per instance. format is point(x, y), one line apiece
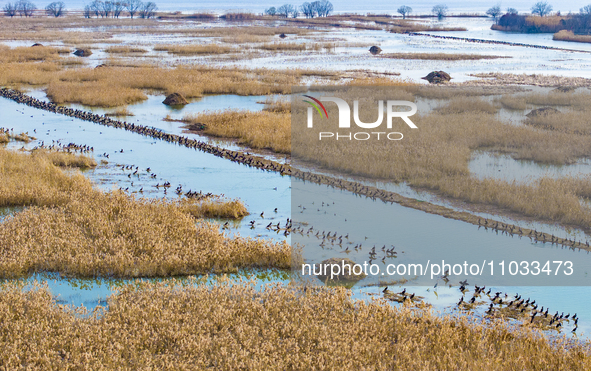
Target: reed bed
point(195, 49)
point(436, 156)
point(28, 54)
point(66, 159)
point(75, 230)
point(35, 181)
point(237, 326)
point(28, 73)
point(114, 235)
point(209, 208)
point(441, 56)
point(241, 16)
point(559, 99)
point(125, 50)
point(113, 86)
point(572, 122)
point(9, 134)
point(545, 22)
point(283, 46)
point(256, 129)
point(565, 35)
point(277, 105)
point(120, 112)
point(120, 86)
point(467, 104)
point(513, 102)
point(93, 93)
point(231, 30)
point(179, 15)
point(245, 39)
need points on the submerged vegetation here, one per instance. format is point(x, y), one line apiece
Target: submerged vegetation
point(232, 326)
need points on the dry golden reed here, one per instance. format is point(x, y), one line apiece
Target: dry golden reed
point(436, 157)
point(230, 326)
point(558, 99)
point(116, 86)
point(124, 49)
point(210, 208)
point(66, 159)
point(115, 235)
point(29, 180)
point(467, 104)
point(565, 35)
point(195, 49)
point(120, 112)
point(27, 54)
point(71, 228)
point(513, 102)
point(256, 129)
point(283, 46)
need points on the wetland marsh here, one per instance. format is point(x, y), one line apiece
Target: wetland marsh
point(86, 208)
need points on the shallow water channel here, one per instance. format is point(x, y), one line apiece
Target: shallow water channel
point(418, 237)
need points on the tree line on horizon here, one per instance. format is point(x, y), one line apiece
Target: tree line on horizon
point(319, 8)
point(98, 8)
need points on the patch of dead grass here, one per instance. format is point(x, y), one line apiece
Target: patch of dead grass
point(277, 327)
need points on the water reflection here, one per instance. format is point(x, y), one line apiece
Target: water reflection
point(504, 167)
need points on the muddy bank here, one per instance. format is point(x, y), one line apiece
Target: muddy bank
point(285, 169)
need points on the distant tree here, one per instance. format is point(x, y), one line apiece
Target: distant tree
point(133, 6)
point(308, 10)
point(95, 8)
point(106, 8)
point(323, 7)
point(586, 10)
point(440, 11)
point(494, 12)
point(295, 13)
point(25, 8)
point(86, 12)
point(9, 9)
point(271, 11)
point(118, 7)
point(285, 10)
point(541, 8)
point(148, 10)
point(404, 10)
point(56, 9)
point(512, 11)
